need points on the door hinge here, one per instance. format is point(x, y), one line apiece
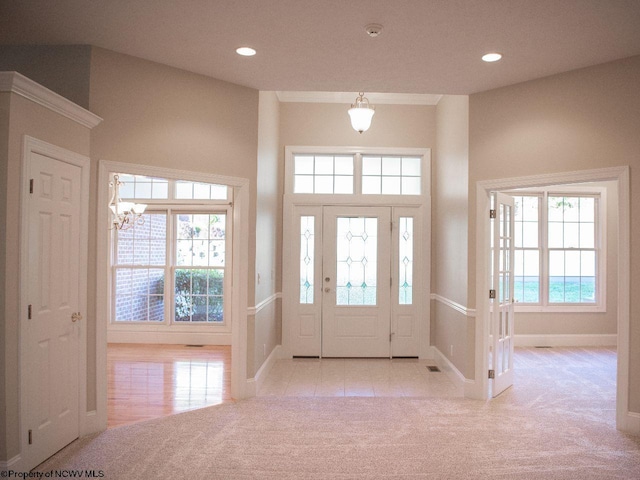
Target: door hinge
point(29, 312)
point(492, 213)
point(492, 293)
point(391, 282)
point(30, 437)
point(492, 374)
point(31, 185)
point(391, 225)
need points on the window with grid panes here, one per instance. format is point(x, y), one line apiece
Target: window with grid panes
point(567, 249)
point(171, 268)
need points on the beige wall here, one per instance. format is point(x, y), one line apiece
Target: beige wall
point(588, 118)
point(323, 124)
point(61, 68)
point(449, 197)
point(26, 118)
point(264, 327)
point(166, 117)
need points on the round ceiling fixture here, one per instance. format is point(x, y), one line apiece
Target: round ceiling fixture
point(491, 57)
point(373, 29)
point(246, 51)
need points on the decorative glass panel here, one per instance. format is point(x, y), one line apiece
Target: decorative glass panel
point(200, 239)
point(405, 251)
point(356, 255)
point(307, 258)
point(199, 295)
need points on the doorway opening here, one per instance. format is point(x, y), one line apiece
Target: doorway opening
point(356, 221)
point(620, 177)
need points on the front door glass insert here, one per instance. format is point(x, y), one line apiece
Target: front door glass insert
point(357, 260)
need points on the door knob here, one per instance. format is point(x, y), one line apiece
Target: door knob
point(327, 279)
point(76, 317)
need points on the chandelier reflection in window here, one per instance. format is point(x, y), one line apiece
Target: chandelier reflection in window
point(125, 214)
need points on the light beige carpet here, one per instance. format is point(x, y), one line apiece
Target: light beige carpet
point(554, 425)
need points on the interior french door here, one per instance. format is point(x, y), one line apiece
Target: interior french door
point(356, 282)
point(502, 301)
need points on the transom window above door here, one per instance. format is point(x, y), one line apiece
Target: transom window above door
point(350, 171)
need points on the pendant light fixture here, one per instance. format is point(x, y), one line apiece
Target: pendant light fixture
point(361, 113)
point(125, 214)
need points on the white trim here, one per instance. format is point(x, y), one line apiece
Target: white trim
point(254, 384)
point(17, 83)
point(456, 377)
point(253, 311)
point(469, 312)
point(168, 337)
point(624, 420)
point(348, 98)
point(564, 340)
point(5, 466)
point(32, 145)
point(630, 423)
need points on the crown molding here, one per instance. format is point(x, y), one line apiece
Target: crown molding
point(17, 83)
point(349, 97)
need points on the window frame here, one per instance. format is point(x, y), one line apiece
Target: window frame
point(171, 207)
point(600, 249)
point(357, 197)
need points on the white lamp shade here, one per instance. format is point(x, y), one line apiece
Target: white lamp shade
point(361, 118)
point(139, 208)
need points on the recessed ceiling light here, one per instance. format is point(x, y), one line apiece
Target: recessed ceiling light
point(491, 57)
point(246, 51)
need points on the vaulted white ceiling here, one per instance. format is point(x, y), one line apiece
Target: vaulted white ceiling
point(426, 46)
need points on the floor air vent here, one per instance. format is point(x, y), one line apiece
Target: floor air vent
point(433, 368)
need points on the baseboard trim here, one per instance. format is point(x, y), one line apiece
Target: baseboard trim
point(92, 423)
point(168, 338)
point(468, 386)
point(254, 384)
point(630, 424)
point(566, 340)
point(5, 466)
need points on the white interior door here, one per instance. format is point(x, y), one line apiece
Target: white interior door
point(356, 278)
point(51, 360)
point(502, 305)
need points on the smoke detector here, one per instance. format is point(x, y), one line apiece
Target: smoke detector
point(373, 29)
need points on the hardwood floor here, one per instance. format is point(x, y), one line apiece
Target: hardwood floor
point(151, 381)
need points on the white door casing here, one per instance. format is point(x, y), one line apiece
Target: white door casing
point(502, 303)
point(53, 273)
point(303, 310)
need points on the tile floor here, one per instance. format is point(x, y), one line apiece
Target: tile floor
point(357, 377)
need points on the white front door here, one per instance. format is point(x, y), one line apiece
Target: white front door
point(502, 303)
point(50, 356)
point(356, 278)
